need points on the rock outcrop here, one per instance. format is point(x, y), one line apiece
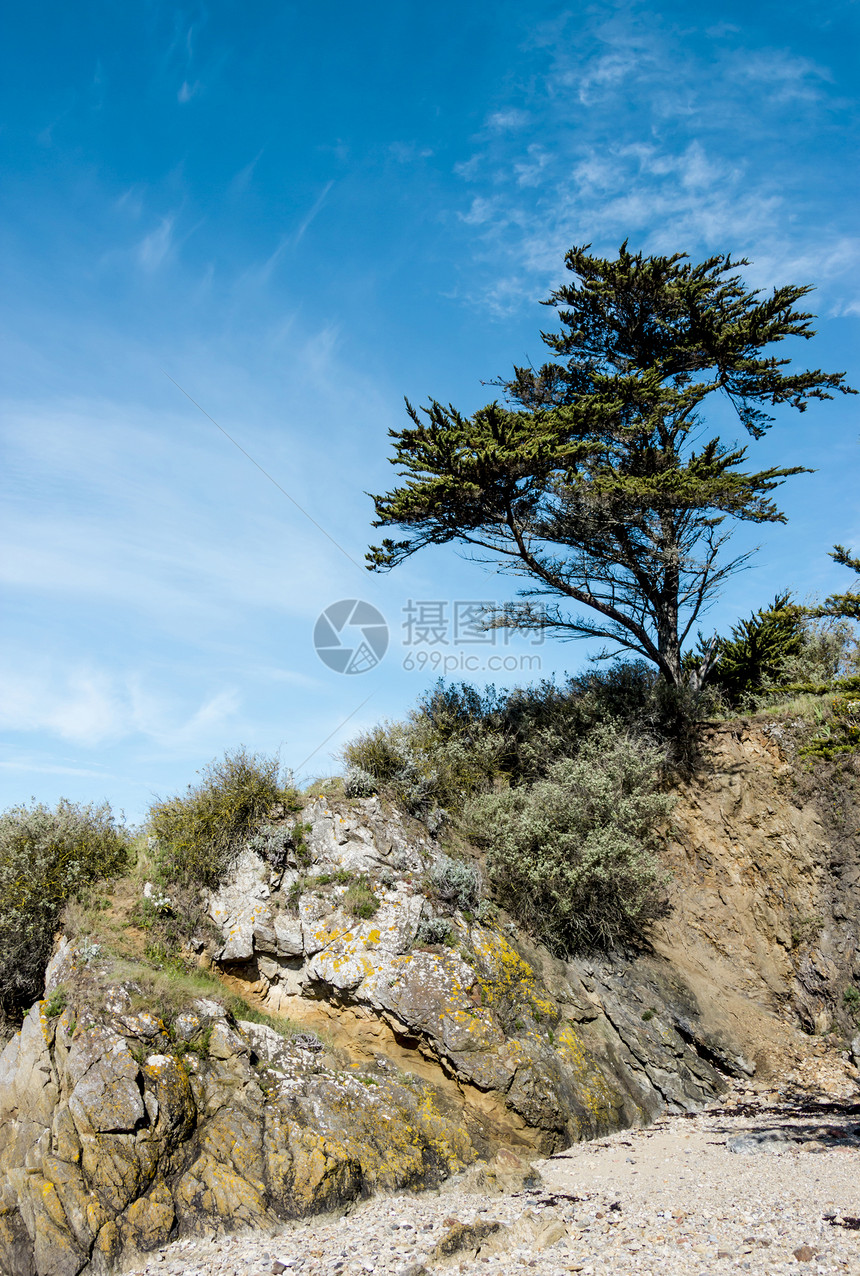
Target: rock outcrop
point(427, 1039)
point(118, 1133)
point(532, 1043)
point(765, 918)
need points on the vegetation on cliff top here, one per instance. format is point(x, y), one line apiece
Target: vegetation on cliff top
point(199, 832)
point(47, 857)
point(561, 790)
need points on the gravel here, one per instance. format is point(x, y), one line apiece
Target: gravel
point(756, 1186)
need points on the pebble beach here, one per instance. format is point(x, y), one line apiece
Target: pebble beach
point(752, 1184)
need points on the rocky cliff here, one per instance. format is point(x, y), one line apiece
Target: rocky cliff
point(425, 1039)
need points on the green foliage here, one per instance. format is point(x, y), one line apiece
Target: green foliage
point(340, 875)
point(165, 952)
point(47, 857)
point(301, 884)
point(600, 482)
point(782, 651)
point(838, 733)
point(571, 856)
point(283, 844)
point(312, 881)
point(828, 653)
point(360, 900)
point(460, 742)
point(359, 783)
point(760, 650)
point(200, 832)
point(433, 930)
point(169, 992)
point(427, 770)
point(56, 1003)
point(545, 722)
point(845, 605)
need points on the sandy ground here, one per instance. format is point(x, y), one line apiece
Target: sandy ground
point(757, 1186)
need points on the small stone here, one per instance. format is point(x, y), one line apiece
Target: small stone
point(805, 1254)
point(277, 1267)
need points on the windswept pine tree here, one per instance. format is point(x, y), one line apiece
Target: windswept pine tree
point(598, 479)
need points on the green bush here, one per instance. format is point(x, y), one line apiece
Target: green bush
point(572, 856)
point(838, 733)
point(759, 651)
point(201, 832)
point(829, 651)
point(460, 742)
point(359, 783)
point(428, 771)
point(784, 649)
point(360, 900)
point(47, 857)
point(454, 882)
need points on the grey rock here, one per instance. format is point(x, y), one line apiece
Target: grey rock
point(760, 1140)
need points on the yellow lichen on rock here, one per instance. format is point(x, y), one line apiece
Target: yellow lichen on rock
point(148, 1221)
point(506, 978)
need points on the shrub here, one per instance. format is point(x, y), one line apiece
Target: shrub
point(56, 1003)
point(47, 857)
point(427, 769)
point(838, 733)
point(359, 783)
point(454, 882)
point(784, 650)
point(459, 742)
point(359, 899)
point(283, 845)
point(571, 857)
point(828, 650)
point(759, 650)
point(200, 832)
point(433, 930)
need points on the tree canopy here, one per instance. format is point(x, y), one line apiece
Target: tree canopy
point(597, 478)
point(848, 604)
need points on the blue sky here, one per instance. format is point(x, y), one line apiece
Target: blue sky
point(302, 213)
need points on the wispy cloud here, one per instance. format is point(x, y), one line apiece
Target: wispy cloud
point(240, 181)
point(188, 91)
point(654, 163)
point(154, 248)
point(594, 82)
point(79, 523)
point(508, 120)
point(91, 707)
point(312, 212)
point(290, 241)
point(409, 152)
point(782, 75)
point(28, 765)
